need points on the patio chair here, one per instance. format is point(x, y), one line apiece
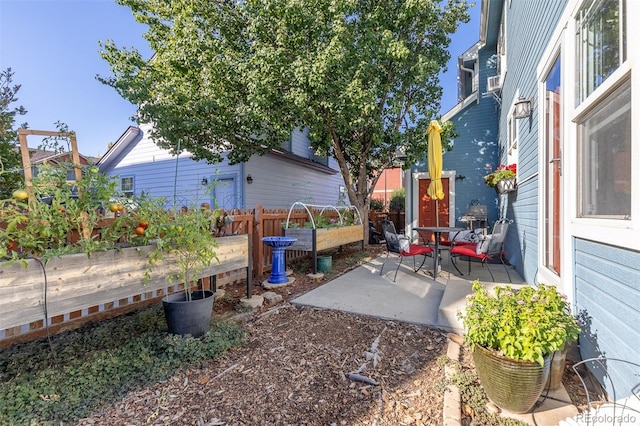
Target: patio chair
point(488, 247)
point(402, 246)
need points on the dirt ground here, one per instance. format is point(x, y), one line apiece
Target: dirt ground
point(302, 366)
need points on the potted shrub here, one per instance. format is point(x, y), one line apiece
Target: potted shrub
point(184, 245)
point(512, 334)
point(503, 179)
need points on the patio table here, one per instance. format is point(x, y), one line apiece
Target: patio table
point(437, 231)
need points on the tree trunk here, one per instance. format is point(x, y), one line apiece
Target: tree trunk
point(363, 209)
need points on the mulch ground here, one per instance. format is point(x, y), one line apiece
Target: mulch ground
point(303, 366)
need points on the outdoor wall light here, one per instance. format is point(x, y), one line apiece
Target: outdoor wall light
point(249, 179)
point(523, 107)
point(205, 181)
point(460, 177)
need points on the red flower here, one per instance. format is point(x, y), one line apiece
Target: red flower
point(501, 172)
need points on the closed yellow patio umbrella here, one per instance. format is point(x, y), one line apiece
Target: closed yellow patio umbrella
point(434, 161)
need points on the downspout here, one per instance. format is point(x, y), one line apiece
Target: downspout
point(464, 95)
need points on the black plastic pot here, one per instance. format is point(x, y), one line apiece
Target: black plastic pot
point(188, 316)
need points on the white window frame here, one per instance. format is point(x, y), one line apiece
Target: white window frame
point(513, 137)
point(128, 193)
point(583, 85)
point(624, 233)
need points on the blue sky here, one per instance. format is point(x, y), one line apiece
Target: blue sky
point(52, 47)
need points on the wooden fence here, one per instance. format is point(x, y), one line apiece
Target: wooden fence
point(397, 217)
point(257, 223)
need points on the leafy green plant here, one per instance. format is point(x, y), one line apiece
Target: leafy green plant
point(98, 364)
point(397, 200)
point(501, 172)
point(523, 324)
point(40, 226)
point(376, 204)
point(323, 221)
point(187, 236)
point(11, 177)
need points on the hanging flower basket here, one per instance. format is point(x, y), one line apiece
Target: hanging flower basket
point(502, 179)
point(506, 185)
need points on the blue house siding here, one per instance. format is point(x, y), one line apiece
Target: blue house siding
point(522, 241)
point(158, 178)
point(607, 296)
point(278, 179)
point(528, 33)
point(600, 257)
point(476, 146)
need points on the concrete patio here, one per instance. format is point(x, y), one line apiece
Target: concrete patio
point(415, 297)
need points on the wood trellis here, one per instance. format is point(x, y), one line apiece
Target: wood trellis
point(26, 159)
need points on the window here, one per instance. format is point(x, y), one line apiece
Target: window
point(468, 75)
point(605, 157)
point(601, 43)
point(604, 130)
point(126, 186)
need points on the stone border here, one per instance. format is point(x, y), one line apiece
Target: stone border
point(452, 408)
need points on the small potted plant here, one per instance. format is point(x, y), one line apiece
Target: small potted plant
point(185, 244)
point(513, 334)
point(502, 179)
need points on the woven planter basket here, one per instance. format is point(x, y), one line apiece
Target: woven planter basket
point(506, 185)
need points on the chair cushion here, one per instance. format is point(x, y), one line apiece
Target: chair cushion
point(392, 240)
point(404, 244)
point(467, 250)
point(483, 245)
point(461, 238)
point(416, 249)
point(466, 236)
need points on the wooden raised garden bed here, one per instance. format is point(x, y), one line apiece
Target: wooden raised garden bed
point(316, 239)
point(75, 282)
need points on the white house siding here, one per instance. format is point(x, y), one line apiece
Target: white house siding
point(278, 183)
point(529, 28)
point(607, 281)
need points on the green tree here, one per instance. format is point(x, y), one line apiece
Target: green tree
point(10, 161)
point(397, 200)
point(238, 76)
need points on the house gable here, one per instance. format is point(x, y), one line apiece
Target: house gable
point(275, 180)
